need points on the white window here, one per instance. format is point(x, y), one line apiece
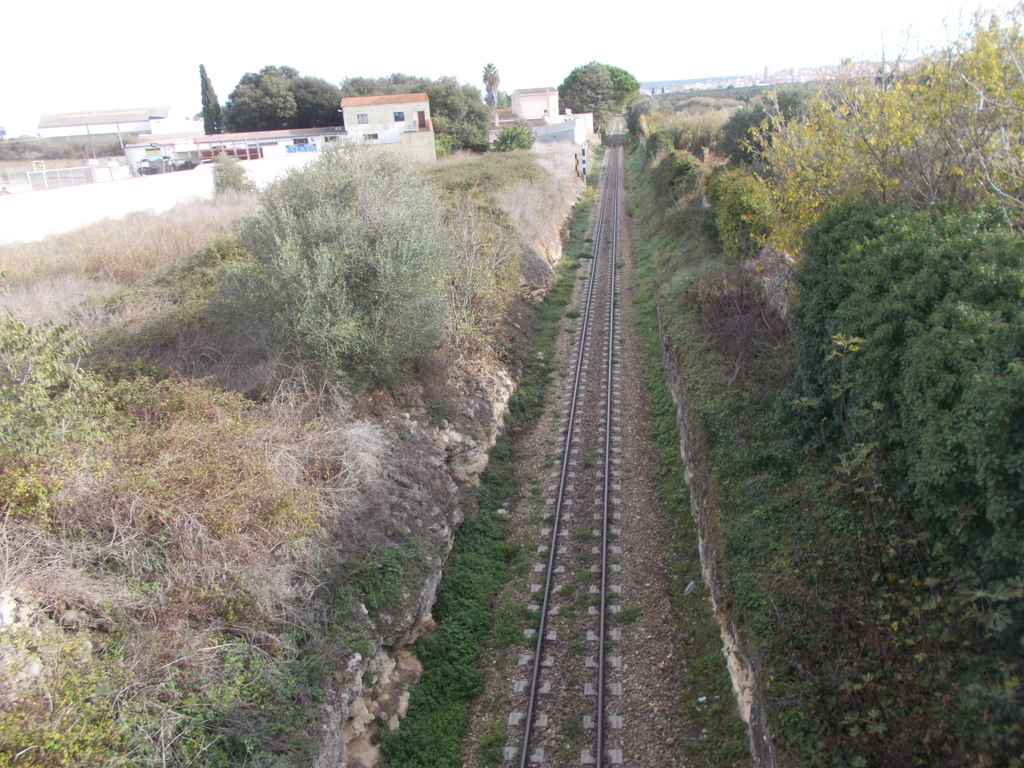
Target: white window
point(371, 136)
point(362, 118)
point(399, 117)
point(300, 141)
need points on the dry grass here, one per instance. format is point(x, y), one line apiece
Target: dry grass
point(191, 487)
point(199, 523)
point(65, 298)
point(537, 207)
point(123, 251)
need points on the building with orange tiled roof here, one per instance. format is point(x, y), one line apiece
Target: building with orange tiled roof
point(400, 121)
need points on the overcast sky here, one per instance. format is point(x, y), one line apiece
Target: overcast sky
point(86, 56)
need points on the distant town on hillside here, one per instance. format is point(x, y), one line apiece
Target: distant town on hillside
point(766, 77)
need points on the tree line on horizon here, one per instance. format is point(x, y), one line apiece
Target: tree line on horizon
point(278, 97)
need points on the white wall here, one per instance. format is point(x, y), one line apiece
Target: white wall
point(575, 128)
point(536, 106)
point(34, 215)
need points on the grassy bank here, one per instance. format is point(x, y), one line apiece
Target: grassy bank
point(861, 661)
point(715, 734)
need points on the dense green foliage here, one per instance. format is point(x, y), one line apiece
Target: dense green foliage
point(877, 641)
point(881, 464)
point(597, 88)
point(43, 392)
point(212, 117)
point(626, 86)
point(461, 119)
point(742, 210)
point(932, 388)
point(276, 98)
point(639, 109)
point(518, 136)
point(736, 135)
point(588, 88)
point(678, 175)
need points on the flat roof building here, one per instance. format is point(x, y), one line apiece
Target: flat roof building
point(94, 122)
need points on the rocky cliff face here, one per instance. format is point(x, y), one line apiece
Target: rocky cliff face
point(432, 464)
point(741, 666)
point(435, 461)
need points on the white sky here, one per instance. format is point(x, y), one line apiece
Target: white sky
point(86, 56)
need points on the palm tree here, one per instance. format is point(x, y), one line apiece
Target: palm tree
point(491, 80)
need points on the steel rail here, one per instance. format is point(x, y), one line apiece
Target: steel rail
point(538, 657)
point(609, 404)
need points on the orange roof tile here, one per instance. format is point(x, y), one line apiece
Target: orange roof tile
point(394, 98)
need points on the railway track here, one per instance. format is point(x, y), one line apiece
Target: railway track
point(568, 689)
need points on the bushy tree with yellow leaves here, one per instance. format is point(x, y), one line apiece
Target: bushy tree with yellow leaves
point(949, 130)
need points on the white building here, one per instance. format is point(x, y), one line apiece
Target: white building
point(538, 107)
point(399, 121)
point(145, 120)
point(169, 153)
point(412, 135)
point(536, 104)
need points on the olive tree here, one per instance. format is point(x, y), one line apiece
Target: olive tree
point(347, 265)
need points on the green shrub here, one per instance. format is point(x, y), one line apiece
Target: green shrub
point(230, 176)
point(891, 655)
point(735, 140)
point(933, 304)
point(636, 113)
point(659, 142)
point(43, 392)
point(742, 209)
point(518, 136)
point(347, 270)
point(679, 175)
point(443, 145)
point(697, 133)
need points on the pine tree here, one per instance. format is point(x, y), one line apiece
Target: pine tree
point(212, 120)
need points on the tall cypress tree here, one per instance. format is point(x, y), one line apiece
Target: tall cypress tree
point(212, 120)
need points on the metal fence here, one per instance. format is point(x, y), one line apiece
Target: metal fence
point(62, 177)
point(11, 179)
